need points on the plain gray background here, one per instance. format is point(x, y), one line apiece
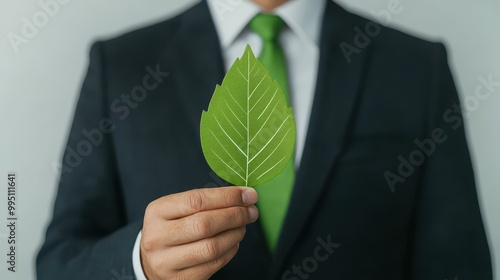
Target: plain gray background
point(40, 82)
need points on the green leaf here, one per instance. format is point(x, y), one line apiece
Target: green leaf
point(248, 132)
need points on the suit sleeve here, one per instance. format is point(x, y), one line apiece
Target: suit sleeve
point(89, 236)
point(448, 239)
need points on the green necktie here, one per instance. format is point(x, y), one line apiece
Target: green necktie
point(274, 196)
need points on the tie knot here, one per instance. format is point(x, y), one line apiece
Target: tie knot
point(267, 26)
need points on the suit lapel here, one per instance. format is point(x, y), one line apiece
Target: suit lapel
point(197, 60)
point(336, 94)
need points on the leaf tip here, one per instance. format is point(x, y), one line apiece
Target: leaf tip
point(248, 51)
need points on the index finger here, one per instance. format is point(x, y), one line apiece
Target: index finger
point(187, 203)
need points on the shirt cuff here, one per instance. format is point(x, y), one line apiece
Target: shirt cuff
point(136, 259)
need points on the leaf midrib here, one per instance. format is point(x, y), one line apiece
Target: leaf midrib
point(248, 119)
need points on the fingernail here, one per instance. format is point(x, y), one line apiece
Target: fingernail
point(253, 212)
point(249, 196)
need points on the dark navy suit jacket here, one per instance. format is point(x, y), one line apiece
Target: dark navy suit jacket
point(385, 189)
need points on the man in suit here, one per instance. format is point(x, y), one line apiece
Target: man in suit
point(383, 188)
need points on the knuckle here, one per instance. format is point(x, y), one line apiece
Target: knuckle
point(238, 216)
point(241, 233)
point(194, 200)
point(148, 242)
point(201, 226)
point(219, 262)
point(151, 211)
point(210, 249)
point(241, 215)
point(156, 264)
point(236, 235)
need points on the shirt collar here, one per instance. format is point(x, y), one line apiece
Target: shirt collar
point(303, 17)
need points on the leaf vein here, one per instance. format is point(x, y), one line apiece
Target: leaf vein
point(255, 89)
point(235, 129)
point(230, 94)
point(234, 114)
point(229, 137)
point(227, 165)
point(271, 168)
point(224, 148)
point(267, 106)
point(271, 139)
point(243, 76)
point(262, 96)
point(264, 124)
point(265, 160)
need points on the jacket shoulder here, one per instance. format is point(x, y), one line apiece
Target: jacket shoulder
point(148, 41)
point(389, 40)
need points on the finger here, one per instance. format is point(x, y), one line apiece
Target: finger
point(206, 270)
point(203, 251)
point(160, 266)
point(180, 205)
point(207, 224)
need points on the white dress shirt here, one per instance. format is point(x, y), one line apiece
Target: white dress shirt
point(300, 42)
